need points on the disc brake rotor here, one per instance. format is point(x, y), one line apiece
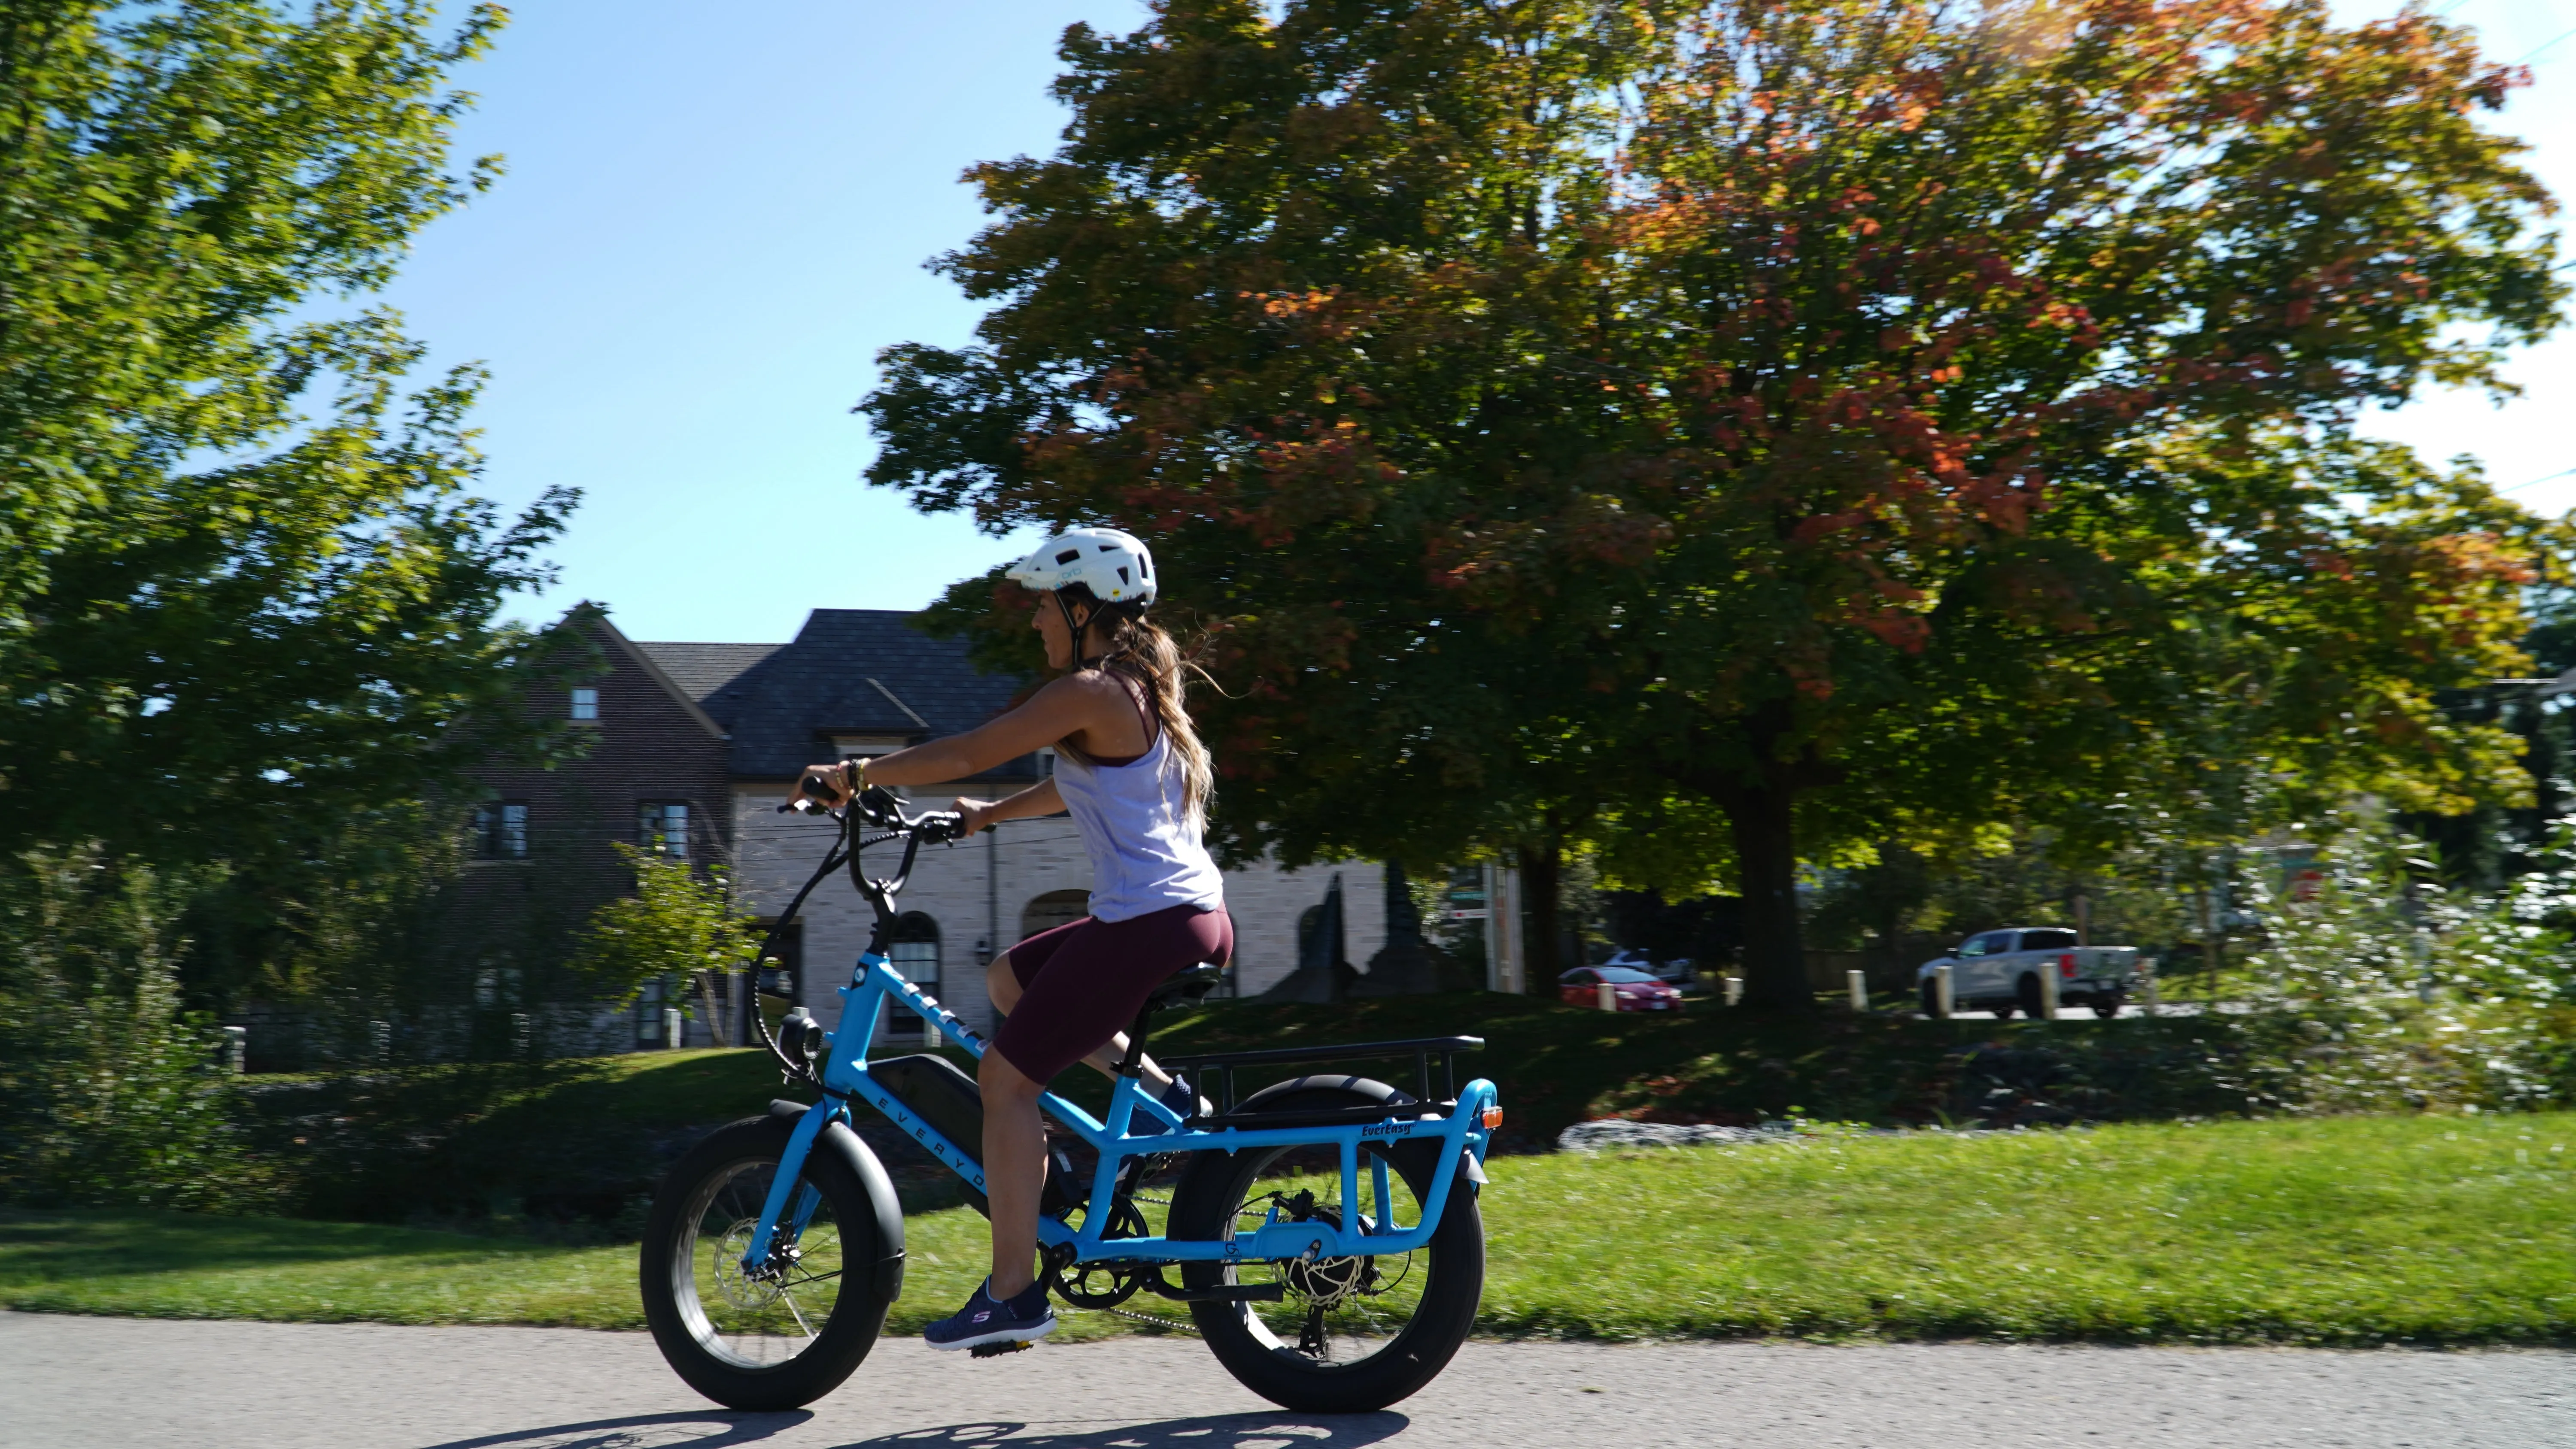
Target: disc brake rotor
point(1323, 1282)
point(747, 1291)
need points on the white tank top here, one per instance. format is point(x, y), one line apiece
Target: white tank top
point(1145, 854)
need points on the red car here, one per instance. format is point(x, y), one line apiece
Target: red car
point(1631, 989)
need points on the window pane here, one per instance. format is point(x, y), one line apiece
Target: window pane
point(585, 704)
point(662, 827)
point(915, 961)
point(514, 831)
point(648, 1011)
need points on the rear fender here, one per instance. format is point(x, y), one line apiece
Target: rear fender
point(1325, 1081)
point(837, 1139)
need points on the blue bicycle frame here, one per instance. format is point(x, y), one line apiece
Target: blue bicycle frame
point(1463, 1131)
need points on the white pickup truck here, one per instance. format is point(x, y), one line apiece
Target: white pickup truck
point(1999, 971)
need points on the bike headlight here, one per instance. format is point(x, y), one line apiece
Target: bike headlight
point(800, 1035)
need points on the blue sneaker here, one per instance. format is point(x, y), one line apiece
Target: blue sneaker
point(983, 1321)
point(1176, 1098)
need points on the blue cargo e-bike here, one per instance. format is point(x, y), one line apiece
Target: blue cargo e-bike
point(1324, 1228)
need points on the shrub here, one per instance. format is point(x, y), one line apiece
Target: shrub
point(676, 924)
point(2378, 990)
point(110, 1092)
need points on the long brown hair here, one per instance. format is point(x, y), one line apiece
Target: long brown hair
point(1141, 650)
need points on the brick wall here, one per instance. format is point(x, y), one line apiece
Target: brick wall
point(517, 916)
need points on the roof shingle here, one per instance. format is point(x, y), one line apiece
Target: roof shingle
point(848, 671)
point(702, 669)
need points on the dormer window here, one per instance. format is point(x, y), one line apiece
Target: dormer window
point(585, 703)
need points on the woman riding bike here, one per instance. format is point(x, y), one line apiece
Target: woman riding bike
point(1135, 777)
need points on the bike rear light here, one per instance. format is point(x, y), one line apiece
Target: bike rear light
point(1490, 1118)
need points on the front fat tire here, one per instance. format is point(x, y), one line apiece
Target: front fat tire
point(672, 1246)
point(1203, 1207)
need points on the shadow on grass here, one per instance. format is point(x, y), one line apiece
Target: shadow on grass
point(73, 1243)
point(1216, 1431)
point(1558, 1064)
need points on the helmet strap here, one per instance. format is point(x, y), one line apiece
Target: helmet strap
point(1081, 630)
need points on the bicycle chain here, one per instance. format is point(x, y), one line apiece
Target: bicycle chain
point(1173, 1324)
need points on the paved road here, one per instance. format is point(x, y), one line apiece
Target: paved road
point(73, 1383)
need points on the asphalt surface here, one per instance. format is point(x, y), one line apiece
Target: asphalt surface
point(71, 1383)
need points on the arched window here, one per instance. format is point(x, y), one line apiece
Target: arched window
point(913, 947)
point(1053, 909)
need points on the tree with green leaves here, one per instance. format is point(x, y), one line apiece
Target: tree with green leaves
point(1747, 431)
point(677, 923)
point(249, 610)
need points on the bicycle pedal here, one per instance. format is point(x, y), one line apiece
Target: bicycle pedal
point(995, 1350)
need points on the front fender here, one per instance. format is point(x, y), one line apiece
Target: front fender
point(837, 1139)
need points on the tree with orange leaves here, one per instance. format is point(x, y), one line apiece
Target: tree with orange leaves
point(1831, 418)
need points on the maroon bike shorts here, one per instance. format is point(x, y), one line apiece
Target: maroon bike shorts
point(1083, 982)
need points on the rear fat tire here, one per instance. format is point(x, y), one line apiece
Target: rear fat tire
point(672, 1250)
point(1203, 1207)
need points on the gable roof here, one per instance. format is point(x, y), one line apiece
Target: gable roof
point(596, 617)
point(702, 669)
point(851, 671)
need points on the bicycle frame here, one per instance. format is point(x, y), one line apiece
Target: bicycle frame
point(845, 1078)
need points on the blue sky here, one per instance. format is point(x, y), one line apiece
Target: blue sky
point(715, 217)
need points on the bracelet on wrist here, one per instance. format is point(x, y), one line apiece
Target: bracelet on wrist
point(854, 774)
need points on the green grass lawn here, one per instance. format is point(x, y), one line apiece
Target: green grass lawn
point(2336, 1231)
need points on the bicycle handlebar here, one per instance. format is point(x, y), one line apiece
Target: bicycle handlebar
point(882, 809)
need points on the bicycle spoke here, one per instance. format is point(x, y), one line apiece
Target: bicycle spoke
point(790, 1300)
point(756, 1317)
point(1337, 1312)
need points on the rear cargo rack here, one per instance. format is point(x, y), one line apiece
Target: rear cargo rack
point(1421, 1049)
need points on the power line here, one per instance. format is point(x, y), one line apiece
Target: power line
point(2544, 45)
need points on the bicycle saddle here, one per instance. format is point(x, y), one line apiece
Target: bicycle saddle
point(1190, 984)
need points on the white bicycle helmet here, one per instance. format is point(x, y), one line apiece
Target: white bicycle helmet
point(1113, 565)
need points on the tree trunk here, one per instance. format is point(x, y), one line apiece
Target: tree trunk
point(1542, 865)
point(1766, 863)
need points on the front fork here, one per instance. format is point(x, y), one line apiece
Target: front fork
point(776, 1208)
